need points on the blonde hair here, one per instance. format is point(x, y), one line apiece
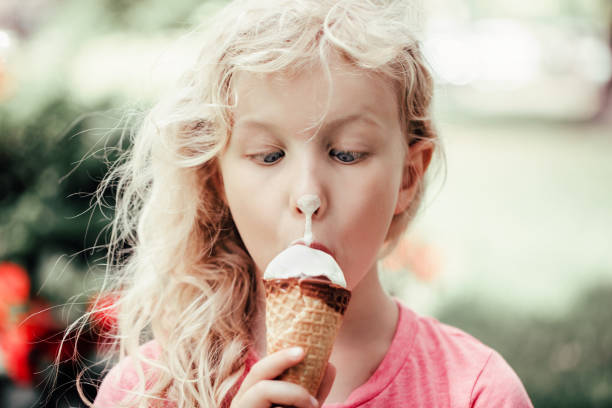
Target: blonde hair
point(175, 256)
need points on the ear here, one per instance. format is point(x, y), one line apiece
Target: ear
point(416, 161)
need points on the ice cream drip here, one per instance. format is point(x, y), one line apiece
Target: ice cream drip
point(308, 204)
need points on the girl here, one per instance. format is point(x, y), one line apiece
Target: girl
point(287, 99)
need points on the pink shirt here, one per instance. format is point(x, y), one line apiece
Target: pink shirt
point(429, 364)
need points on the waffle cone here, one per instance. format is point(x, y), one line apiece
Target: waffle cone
point(305, 313)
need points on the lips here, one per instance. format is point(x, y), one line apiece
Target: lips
point(319, 246)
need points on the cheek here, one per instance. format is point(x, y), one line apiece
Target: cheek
point(377, 199)
point(245, 207)
point(255, 204)
point(367, 218)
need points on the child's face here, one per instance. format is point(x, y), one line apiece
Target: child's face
point(354, 164)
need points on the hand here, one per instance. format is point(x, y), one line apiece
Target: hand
point(260, 389)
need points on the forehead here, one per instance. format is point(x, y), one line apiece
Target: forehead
point(315, 95)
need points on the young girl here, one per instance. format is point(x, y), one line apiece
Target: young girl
point(288, 99)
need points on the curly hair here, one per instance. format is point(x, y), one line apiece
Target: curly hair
point(175, 255)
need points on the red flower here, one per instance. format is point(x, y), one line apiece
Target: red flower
point(14, 339)
point(14, 283)
point(30, 332)
point(15, 347)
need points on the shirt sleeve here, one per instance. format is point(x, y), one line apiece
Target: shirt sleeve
point(499, 386)
point(122, 379)
point(111, 391)
point(119, 384)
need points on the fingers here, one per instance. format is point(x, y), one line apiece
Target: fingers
point(260, 389)
point(326, 383)
point(273, 365)
point(268, 392)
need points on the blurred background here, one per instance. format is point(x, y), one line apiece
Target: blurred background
point(514, 242)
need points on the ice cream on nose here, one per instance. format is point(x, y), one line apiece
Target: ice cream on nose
point(308, 204)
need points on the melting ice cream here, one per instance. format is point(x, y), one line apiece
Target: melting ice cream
point(300, 261)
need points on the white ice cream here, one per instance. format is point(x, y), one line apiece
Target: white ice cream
point(300, 261)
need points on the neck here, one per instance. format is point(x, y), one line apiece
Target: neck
point(371, 314)
point(365, 336)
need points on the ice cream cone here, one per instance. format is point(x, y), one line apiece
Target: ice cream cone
point(305, 313)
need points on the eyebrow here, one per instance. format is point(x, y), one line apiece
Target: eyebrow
point(327, 128)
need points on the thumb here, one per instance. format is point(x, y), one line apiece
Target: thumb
point(326, 383)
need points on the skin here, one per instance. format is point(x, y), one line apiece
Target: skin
point(358, 163)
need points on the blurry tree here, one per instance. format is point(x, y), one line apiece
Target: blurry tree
point(50, 155)
point(54, 151)
point(37, 211)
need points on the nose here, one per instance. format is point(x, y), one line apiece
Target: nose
point(308, 204)
point(308, 193)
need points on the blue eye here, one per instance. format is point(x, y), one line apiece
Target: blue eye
point(268, 158)
point(273, 157)
point(345, 156)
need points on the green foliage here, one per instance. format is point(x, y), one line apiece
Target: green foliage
point(47, 180)
point(52, 148)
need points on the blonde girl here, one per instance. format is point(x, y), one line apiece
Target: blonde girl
point(288, 98)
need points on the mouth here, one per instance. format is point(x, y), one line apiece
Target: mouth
point(317, 245)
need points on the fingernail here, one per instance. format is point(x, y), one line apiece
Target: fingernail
point(296, 352)
point(313, 402)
